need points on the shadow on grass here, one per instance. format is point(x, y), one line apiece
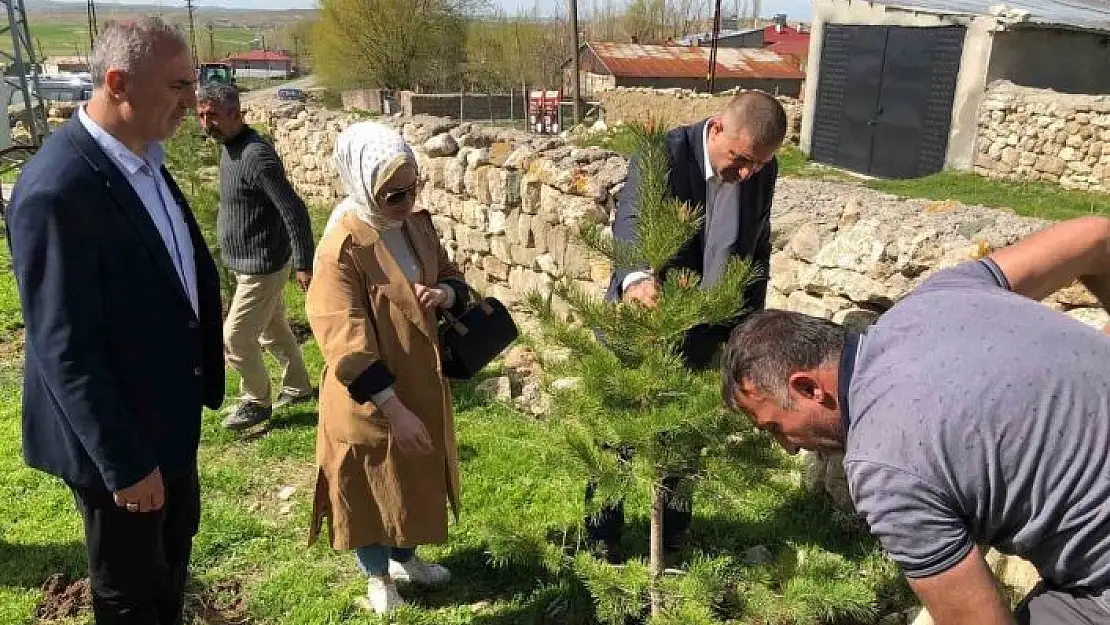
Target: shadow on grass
point(303, 416)
point(31, 566)
point(801, 518)
point(475, 579)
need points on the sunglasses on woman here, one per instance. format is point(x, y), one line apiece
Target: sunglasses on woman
point(401, 195)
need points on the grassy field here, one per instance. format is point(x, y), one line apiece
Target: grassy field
point(522, 502)
point(68, 35)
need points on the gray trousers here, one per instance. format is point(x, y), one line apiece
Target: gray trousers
point(1046, 606)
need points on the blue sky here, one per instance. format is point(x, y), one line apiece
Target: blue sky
point(796, 9)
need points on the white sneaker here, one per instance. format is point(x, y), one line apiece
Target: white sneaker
point(381, 596)
point(417, 571)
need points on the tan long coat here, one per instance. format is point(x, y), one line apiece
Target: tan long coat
point(362, 309)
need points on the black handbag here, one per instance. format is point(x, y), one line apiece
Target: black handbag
point(470, 341)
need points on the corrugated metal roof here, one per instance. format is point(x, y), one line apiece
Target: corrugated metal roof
point(687, 40)
point(795, 47)
point(1092, 14)
point(772, 34)
point(629, 60)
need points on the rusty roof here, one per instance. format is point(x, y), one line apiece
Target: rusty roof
point(629, 60)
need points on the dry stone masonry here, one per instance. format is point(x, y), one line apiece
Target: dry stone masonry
point(509, 206)
point(1038, 134)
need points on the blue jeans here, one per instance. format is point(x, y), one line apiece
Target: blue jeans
point(374, 559)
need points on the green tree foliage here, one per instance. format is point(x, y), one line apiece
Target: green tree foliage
point(634, 393)
point(504, 53)
point(394, 44)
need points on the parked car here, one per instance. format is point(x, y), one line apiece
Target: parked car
point(291, 94)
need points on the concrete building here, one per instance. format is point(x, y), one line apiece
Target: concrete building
point(261, 64)
point(610, 65)
point(893, 90)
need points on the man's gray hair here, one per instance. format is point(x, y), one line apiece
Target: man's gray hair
point(770, 345)
point(222, 95)
point(127, 45)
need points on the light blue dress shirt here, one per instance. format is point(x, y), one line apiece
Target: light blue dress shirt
point(145, 176)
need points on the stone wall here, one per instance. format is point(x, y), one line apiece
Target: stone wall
point(369, 100)
point(677, 107)
point(1037, 134)
point(508, 205)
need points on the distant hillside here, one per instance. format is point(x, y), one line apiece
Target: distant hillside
point(51, 10)
point(61, 28)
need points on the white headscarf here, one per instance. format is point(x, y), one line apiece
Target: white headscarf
point(367, 154)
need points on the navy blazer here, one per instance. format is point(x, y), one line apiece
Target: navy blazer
point(118, 365)
point(752, 239)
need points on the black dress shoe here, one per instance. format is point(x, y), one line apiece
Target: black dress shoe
point(248, 414)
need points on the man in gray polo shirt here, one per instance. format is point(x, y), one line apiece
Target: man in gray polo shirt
point(969, 414)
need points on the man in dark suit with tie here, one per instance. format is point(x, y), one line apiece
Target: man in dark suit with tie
point(121, 302)
point(725, 169)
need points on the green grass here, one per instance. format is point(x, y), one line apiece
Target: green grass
point(515, 553)
point(69, 36)
point(620, 139)
point(10, 318)
point(1032, 198)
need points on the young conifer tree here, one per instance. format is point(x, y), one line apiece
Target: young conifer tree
point(634, 392)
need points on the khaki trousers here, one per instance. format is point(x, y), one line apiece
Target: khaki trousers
point(256, 321)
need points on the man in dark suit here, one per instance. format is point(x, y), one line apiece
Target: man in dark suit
point(725, 169)
point(121, 302)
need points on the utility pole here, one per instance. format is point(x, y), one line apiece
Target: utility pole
point(577, 75)
point(297, 53)
point(211, 43)
point(713, 44)
point(26, 83)
point(91, 10)
point(192, 31)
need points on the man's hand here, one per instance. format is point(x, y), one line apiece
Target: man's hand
point(429, 297)
point(148, 495)
point(644, 292)
point(407, 428)
point(966, 594)
point(304, 278)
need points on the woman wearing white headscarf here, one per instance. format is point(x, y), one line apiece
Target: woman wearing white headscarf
point(386, 440)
